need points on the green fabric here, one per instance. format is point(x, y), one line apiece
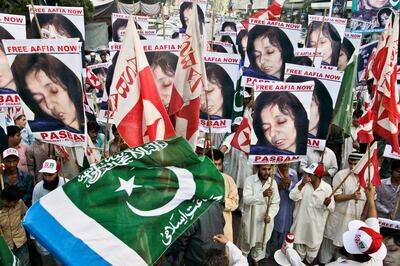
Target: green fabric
point(7, 258)
point(97, 192)
point(344, 105)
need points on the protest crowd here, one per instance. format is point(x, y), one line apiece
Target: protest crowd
point(252, 141)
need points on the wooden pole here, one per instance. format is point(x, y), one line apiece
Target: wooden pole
point(327, 136)
point(1, 178)
point(369, 165)
point(319, 36)
point(36, 20)
point(341, 183)
point(107, 129)
point(269, 202)
point(163, 20)
point(396, 208)
point(96, 107)
point(212, 27)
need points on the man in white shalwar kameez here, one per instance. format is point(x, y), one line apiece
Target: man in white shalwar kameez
point(349, 204)
point(312, 206)
point(257, 189)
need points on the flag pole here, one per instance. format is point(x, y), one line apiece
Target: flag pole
point(96, 107)
point(61, 158)
point(36, 20)
point(269, 202)
point(105, 155)
point(396, 208)
point(319, 36)
point(341, 183)
point(163, 19)
point(1, 178)
point(369, 165)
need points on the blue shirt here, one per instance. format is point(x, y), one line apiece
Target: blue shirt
point(24, 182)
point(284, 218)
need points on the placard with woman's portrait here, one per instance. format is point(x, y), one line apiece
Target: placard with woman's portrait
point(48, 77)
point(222, 75)
point(330, 31)
point(326, 90)
point(120, 22)
point(270, 46)
point(280, 122)
point(11, 27)
point(374, 12)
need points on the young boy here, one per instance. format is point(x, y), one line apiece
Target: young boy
point(11, 228)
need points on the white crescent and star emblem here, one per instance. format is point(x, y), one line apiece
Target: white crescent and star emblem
point(186, 190)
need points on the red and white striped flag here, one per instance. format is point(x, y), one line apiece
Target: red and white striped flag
point(365, 130)
point(386, 106)
point(273, 12)
point(361, 169)
point(241, 139)
point(92, 79)
point(190, 81)
point(138, 111)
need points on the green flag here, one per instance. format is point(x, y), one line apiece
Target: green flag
point(7, 258)
point(129, 208)
point(344, 104)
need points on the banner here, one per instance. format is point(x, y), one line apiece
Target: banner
point(270, 46)
point(162, 56)
point(280, 122)
point(120, 21)
point(11, 27)
point(185, 10)
point(229, 37)
point(301, 53)
point(374, 13)
point(131, 206)
point(331, 37)
point(48, 74)
point(326, 90)
point(222, 75)
point(337, 8)
point(219, 47)
point(350, 45)
point(390, 153)
point(58, 22)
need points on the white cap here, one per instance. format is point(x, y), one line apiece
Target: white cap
point(362, 239)
point(49, 167)
point(238, 120)
point(9, 152)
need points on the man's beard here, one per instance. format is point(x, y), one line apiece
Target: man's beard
point(51, 185)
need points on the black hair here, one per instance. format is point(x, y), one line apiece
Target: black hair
point(347, 47)
point(325, 103)
point(357, 113)
point(288, 104)
point(331, 33)
point(229, 24)
point(243, 33)
point(228, 39)
point(302, 60)
point(57, 71)
point(391, 233)
point(217, 48)
point(60, 22)
point(186, 5)
point(218, 155)
point(92, 125)
point(119, 23)
point(355, 257)
point(166, 60)
point(11, 193)
point(216, 74)
point(395, 164)
point(277, 38)
point(215, 257)
point(4, 35)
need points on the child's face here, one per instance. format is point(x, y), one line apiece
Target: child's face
point(9, 204)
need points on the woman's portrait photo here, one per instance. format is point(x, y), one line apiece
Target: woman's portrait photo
point(163, 64)
point(6, 77)
point(220, 93)
point(185, 11)
point(228, 26)
point(55, 24)
point(50, 89)
point(268, 49)
point(321, 107)
point(329, 41)
point(280, 123)
point(119, 29)
point(346, 52)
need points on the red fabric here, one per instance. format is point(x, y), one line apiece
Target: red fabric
point(241, 139)
point(92, 79)
point(374, 171)
point(272, 12)
point(376, 240)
